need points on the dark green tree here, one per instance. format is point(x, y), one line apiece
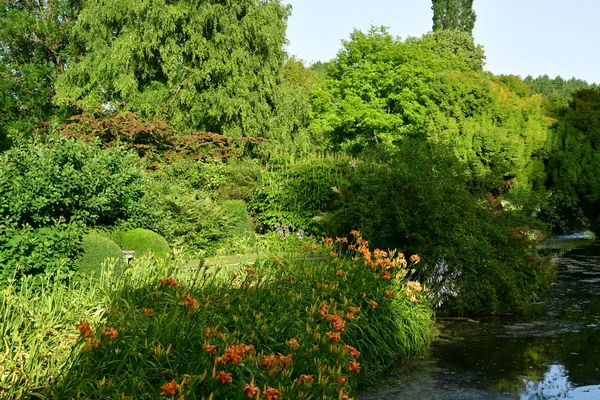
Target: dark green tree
point(35, 45)
point(453, 15)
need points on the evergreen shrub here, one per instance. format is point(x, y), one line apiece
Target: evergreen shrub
point(96, 249)
point(144, 241)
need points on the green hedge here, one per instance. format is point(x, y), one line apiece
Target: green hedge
point(96, 249)
point(144, 241)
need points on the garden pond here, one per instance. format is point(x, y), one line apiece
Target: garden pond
point(553, 351)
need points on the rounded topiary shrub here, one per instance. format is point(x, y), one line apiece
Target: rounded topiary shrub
point(144, 241)
point(96, 249)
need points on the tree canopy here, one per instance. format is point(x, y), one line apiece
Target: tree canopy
point(203, 65)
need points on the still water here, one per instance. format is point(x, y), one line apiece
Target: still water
point(551, 353)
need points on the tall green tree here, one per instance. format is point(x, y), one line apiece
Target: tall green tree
point(35, 45)
point(453, 15)
point(203, 65)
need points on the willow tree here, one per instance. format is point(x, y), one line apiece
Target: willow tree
point(211, 65)
point(453, 15)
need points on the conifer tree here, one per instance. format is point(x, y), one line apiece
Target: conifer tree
point(453, 15)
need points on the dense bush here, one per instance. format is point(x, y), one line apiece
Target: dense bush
point(422, 201)
point(96, 249)
point(294, 196)
point(185, 216)
point(305, 329)
point(144, 241)
point(25, 250)
point(240, 223)
point(44, 180)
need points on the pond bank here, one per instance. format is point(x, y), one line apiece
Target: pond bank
point(552, 351)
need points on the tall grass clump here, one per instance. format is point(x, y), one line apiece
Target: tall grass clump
point(37, 329)
point(298, 328)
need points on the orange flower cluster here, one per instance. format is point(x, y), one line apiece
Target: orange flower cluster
point(209, 348)
point(191, 302)
point(169, 388)
point(251, 390)
point(111, 333)
point(224, 377)
point(85, 330)
point(338, 322)
point(334, 336)
point(354, 366)
point(353, 352)
point(168, 281)
point(272, 393)
point(272, 362)
point(373, 304)
point(308, 379)
point(235, 354)
point(293, 343)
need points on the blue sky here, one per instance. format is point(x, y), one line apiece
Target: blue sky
point(521, 37)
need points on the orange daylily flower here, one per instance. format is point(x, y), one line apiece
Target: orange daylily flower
point(269, 361)
point(415, 258)
point(85, 330)
point(191, 302)
point(251, 390)
point(285, 360)
point(389, 293)
point(111, 333)
point(340, 272)
point(148, 311)
point(373, 304)
point(293, 343)
point(342, 379)
point(334, 336)
point(169, 388)
point(355, 366)
point(308, 379)
point(209, 348)
point(224, 377)
point(353, 352)
point(249, 271)
point(272, 393)
point(168, 281)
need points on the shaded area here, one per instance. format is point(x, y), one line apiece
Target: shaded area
point(552, 352)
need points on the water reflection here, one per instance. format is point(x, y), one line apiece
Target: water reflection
point(554, 352)
point(556, 385)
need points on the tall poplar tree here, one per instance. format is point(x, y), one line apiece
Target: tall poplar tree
point(453, 15)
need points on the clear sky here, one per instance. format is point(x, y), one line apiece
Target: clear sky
point(521, 37)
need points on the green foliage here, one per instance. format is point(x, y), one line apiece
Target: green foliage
point(377, 89)
point(27, 251)
point(453, 15)
point(293, 196)
point(58, 178)
point(240, 222)
point(35, 44)
point(422, 202)
point(180, 207)
point(38, 329)
point(558, 91)
point(204, 66)
point(288, 307)
point(96, 249)
point(144, 241)
point(574, 166)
